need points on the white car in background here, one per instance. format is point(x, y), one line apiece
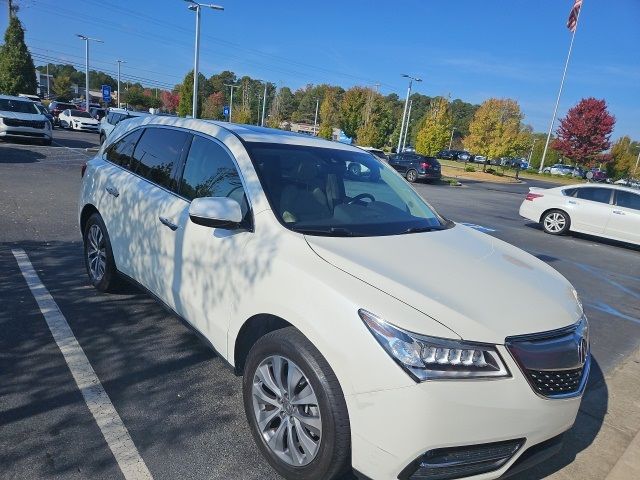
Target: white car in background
point(609, 211)
point(21, 118)
point(78, 120)
point(307, 281)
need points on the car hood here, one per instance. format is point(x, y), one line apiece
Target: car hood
point(22, 116)
point(92, 121)
point(476, 285)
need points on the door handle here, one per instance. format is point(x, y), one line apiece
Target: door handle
point(112, 191)
point(168, 223)
point(618, 212)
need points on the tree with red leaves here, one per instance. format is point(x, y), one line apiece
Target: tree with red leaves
point(585, 132)
point(170, 100)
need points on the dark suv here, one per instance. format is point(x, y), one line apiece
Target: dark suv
point(461, 155)
point(56, 108)
point(416, 167)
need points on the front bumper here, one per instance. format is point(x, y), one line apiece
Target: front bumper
point(85, 128)
point(24, 132)
point(391, 429)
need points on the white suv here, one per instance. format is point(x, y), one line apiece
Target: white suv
point(20, 118)
point(338, 299)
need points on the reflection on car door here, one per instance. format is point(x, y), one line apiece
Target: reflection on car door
point(591, 209)
point(625, 219)
point(201, 287)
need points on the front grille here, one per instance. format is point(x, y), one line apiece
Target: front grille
point(15, 122)
point(549, 383)
point(555, 363)
point(463, 461)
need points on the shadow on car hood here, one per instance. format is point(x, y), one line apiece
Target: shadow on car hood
point(478, 286)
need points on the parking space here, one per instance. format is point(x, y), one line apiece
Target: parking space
point(180, 403)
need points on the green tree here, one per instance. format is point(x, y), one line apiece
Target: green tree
point(61, 88)
point(17, 72)
point(624, 154)
point(352, 110)
point(495, 130)
point(435, 128)
point(378, 122)
point(213, 106)
point(329, 112)
point(185, 89)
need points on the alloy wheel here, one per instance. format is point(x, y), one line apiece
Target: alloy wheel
point(286, 411)
point(411, 176)
point(555, 222)
point(96, 252)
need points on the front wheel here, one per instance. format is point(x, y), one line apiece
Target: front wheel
point(98, 256)
point(412, 176)
point(556, 222)
point(295, 408)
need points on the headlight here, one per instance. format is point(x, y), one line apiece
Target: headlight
point(430, 358)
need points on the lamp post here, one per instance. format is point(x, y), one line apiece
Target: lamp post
point(406, 105)
point(315, 119)
point(86, 66)
point(196, 7)
point(406, 130)
point(231, 104)
point(451, 139)
point(531, 152)
point(264, 104)
point(119, 63)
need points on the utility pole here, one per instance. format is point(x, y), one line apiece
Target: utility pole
point(451, 139)
point(315, 119)
point(259, 104)
point(119, 62)
point(196, 7)
point(264, 104)
point(231, 104)
point(406, 105)
point(86, 39)
point(10, 6)
point(636, 167)
point(48, 83)
point(404, 142)
point(531, 151)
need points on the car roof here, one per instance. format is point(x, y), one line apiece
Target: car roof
point(247, 133)
point(602, 185)
point(15, 97)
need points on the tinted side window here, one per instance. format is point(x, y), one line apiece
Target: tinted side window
point(210, 172)
point(627, 200)
point(595, 194)
point(569, 192)
point(157, 154)
point(120, 152)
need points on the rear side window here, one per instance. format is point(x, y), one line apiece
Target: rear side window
point(210, 172)
point(158, 153)
point(121, 151)
point(627, 200)
point(569, 192)
point(595, 194)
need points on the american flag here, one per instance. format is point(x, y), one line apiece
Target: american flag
point(573, 15)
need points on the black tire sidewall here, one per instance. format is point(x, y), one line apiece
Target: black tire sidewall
point(109, 279)
point(326, 465)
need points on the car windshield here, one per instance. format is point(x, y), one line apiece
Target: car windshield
point(64, 106)
point(80, 113)
point(335, 192)
point(18, 106)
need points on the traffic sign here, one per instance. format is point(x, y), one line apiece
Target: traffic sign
point(225, 111)
point(106, 93)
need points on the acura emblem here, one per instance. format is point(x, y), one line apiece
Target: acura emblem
point(583, 349)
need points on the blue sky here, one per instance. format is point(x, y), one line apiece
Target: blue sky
point(471, 49)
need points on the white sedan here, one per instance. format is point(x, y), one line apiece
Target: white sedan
point(608, 211)
point(78, 120)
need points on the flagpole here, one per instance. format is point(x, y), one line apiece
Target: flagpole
point(555, 110)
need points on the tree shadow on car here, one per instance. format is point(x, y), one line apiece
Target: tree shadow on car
point(584, 431)
point(19, 155)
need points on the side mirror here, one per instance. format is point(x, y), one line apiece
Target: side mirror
point(215, 212)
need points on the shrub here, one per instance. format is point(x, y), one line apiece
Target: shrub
point(469, 168)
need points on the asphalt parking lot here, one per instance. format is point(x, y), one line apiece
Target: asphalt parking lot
point(181, 404)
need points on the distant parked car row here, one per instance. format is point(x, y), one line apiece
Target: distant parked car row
point(594, 174)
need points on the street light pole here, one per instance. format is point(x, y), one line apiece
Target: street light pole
point(451, 139)
point(195, 6)
point(636, 167)
point(231, 104)
point(264, 104)
point(531, 151)
point(315, 119)
point(406, 130)
point(86, 67)
point(119, 62)
point(406, 105)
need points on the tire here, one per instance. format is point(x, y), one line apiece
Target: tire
point(412, 176)
point(103, 137)
point(556, 222)
point(330, 454)
point(105, 279)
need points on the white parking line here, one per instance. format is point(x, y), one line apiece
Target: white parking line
point(106, 416)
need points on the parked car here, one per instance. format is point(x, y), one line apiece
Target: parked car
point(377, 152)
point(112, 118)
point(20, 118)
point(628, 182)
point(459, 155)
point(605, 210)
point(597, 175)
point(416, 167)
point(97, 112)
point(33, 98)
point(78, 120)
point(559, 169)
point(56, 108)
point(358, 352)
point(480, 159)
point(43, 110)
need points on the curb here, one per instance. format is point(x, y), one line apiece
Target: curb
point(628, 466)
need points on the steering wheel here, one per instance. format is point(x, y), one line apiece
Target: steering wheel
point(358, 198)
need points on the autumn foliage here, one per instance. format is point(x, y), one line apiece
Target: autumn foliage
point(585, 131)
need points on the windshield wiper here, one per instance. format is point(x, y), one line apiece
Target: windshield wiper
point(333, 231)
point(422, 229)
